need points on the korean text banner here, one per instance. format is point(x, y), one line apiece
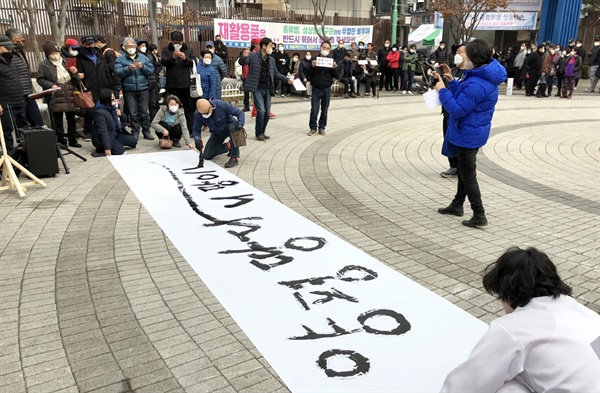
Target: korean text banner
point(506, 21)
point(325, 315)
point(239, 33)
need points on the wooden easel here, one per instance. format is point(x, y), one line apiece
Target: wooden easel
point(10, 180)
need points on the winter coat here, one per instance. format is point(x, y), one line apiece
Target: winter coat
point(304, 66)
point(321, 77)
point(441, 55)
point(221, 50)
point(393, 59)
point(470, 104)
point(578, 61)
point(223, 114)
point(295, 68)
point(208, 80)
point(177, 70)
point(345, 70)
point(239, 70)
point(111, 56)
point(179, 120)
point(282, 66)
point(533, 62)
point(338, 54)
point(353, 53)
point(382, 56)
point(254, 61)
point(520, 59)
point(153, 79)
point(105, 128)
point(60, 101)
point(134, 80)
point(595, 56)
point(409, 61)
point(11, 93)
point(96, 75)
point(220, 70)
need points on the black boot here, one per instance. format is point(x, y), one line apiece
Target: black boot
point(453, 209)
point(478, 220)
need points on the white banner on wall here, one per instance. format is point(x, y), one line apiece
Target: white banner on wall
point(325, 315)
point(238, 33)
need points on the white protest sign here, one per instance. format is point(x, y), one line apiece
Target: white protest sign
point(363, 62)
point(432, 99)
point(326, 62)
point(325, 315)
point(509, 86)
point(298, 85)
point(373, 62)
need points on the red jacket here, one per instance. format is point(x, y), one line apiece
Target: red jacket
point(393, 59)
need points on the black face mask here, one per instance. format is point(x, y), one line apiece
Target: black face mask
point(19, 46)
point(91, 50)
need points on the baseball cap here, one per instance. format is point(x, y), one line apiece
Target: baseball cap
point(72, 43)
point(100, 38)
point(209, 43)
point(86, 39)
point(6, 42)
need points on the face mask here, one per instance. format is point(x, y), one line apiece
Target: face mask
point(131, 51)
point(143, 49)
point(211, 50)
point(361, 47)
point(324, 53)
point(341, 46)
point(115, 103)
point(281, 49)
point(295, 59)
point(394, 49)
point(528, 52)
point(173, 108)
point(206, 116)
point(523, 48)
point(552, 51)
point(73, 53)
point(597, 43)
point(386, 45)
point(308, 57)
point(207, 61)
point(579, 45)
point(269, 50)
point(218, 40)
point(564, 52)
point(91, 50)
point(412, 51)
point(20, 46)
point(458, 59)
point(442, 47)
point(177, 46)
point(54, 57)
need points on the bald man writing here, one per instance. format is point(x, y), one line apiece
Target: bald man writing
point(220, 118)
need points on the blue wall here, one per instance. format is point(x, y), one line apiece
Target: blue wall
point(559, 21)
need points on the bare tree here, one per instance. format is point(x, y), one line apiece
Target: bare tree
point(28, 13)
point(58, 19)
point(464, 16)
point(320, 7)
point(96, 6)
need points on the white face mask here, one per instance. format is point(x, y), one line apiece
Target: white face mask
point(442, 47)
point(579, 45)
point(412, 51)
point(324, 52)
point(269, 50)
point(528, 52)
point(361, 47)
point(458, 59)
point(341, 46)
point(143, 49)
point(394, 49)
point(54, 57)
point(295, 59)
point(281, 49)
point(386, 45)
point(115, 103)
point(597, 43)
point(74, 53)
point(131, 51)
point(173, 108)
point(206, 116)
point(207, 61)
point(552, 51)
point(308, 57)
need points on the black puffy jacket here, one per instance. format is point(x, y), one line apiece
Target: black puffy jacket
point(95, 76)
point(11, 92)
point(177, 70)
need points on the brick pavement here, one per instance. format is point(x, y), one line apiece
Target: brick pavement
point(94, 298)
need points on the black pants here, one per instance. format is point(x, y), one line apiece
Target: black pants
point(370, 83)
point(153, 102)
point(175, 132)
point(188, 103)
point(451, 160)
point(467, 179)
point(532, 83)
point(29, 114)
point(383, 70)
point(59, 128)
point(408, 79)
point(348, 83)
point(88, 121)
point(246, 95)
point(8, 125)
point(389, 75)
point(559, 81)
point(518, 77)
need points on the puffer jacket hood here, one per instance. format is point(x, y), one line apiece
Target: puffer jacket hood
point(492, 72)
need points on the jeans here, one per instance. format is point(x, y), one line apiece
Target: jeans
point(549, 85)
point(348, 85)
point(215, 145)
point(246, 95)
point(262, 102)
point(137, 102)
point(408, 79)
point(320, 97)
point(175, 132)
point(467, 179)
point(118, 144)
point(29, 114)
point(593, 77)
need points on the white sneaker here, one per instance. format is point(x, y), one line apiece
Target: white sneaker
point(403, 91)
point(410, 92)
point(162, 91)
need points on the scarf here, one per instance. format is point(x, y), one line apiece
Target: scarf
point(62, 75)
point(113, 113)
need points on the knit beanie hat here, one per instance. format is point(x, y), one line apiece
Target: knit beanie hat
point(50, 47)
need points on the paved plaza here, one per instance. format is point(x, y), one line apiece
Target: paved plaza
point(94, 297)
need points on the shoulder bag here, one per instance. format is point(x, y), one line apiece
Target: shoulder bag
point(83, 97)
point(195, 84)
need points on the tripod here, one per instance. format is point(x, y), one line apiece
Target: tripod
point(59, 148)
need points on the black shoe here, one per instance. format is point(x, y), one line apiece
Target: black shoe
point(478, 220)
point(231, 163)
point(266, 136)
point(261, 138)
point(74, 143)
point(452, 210)
point(246, 109)
point(322, 131)
point(148, 136)
point(176, 143)
point(312, 132)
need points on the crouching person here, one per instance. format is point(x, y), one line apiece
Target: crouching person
point(170, 122)
point(108, 135)
point(220, 118)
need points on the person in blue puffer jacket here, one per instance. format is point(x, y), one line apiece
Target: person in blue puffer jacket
point(134, 68)
point(470, 104)
point(208, 75)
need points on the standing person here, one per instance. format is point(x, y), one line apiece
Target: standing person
point(245, 68)
point(393, 64)
point(208, 75)
point(441, 53)
point(53, 73)
point(582, 53)
point(109, 136)
point(220, 69)
point(134, 69)
point(170, 122)
point(549, 63)
point(518, 66)
point(305, 64)
point(11, 93)
point(154, 80)
point(96, 76)
point(361, 48)
point(262, 75)
point(220, 118)
point(533, 62)
point(572, 72)
point(321, 80)
point(385, 78)
point(409, 66)
point(110, 55)
point(29, 115)
point(470, 104)
point(282, 60)
point(178, 59)
point(526, 346)
point(70, 49)
point(346, 72)
point(594, 62)
point(339, 52)
point(220, 49)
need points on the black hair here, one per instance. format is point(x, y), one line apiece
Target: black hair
point(347, 54)
point(479, 52)
point(264, 41)
point(296, 54)
point(413, 46)
point(369, 43)
point(360, 42)
point(206, 52)
point(442, 42)
point(174, 98)
point(541, 46)
point(520, 275)
point(106, 96)
point(326, 42)
point(152, 47)
point(177, 36)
